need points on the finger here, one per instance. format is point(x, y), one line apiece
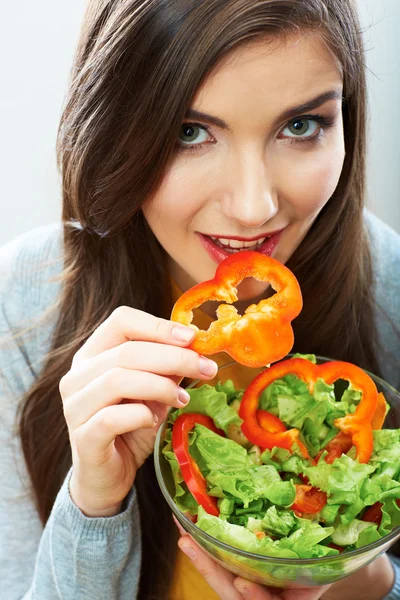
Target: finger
point(126, 323)
point(248, 589)
point(179, 526)
point(142, 356)
point(218, 578)
point(254, 591)
point(115, 385)
point(308, 593)
point(94, 438)
point(160, 411)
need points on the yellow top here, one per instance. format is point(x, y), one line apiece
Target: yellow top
point(187, 583)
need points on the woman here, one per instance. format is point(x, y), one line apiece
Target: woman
point(191, 129)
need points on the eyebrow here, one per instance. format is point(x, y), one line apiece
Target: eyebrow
point(295, 111)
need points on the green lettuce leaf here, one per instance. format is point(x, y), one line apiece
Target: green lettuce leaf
point(378, 488)
point(311, 357)
point(226, 507)
point(255, 507)
point(341, 480)
point(329, 513)
point(240, 537)
point(305, 540)
point(317, 435)
point(386, 452)
point(351, 397)
point(254, 524)
point(218, 452)
point(284, 461)
point(278, 521)
point(206, 400)
point(348, 535)
point(390, 516)
point(289, 398)
point(254, 483)
point(229, 390)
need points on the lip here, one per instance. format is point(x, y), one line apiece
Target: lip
point(244, 239)
point(218, 254)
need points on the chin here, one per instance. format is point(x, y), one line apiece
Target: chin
point(251, 290)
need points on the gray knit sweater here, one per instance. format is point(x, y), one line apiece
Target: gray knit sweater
point(75, 557)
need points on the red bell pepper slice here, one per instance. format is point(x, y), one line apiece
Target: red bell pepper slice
point(336, 547)
point(263, 334)
point(270, 422)
point(309, 500)
point(191, 473)
point(339, 445)
point(357, 425)
point(374, 513)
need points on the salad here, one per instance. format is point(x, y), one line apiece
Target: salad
point(313, 498)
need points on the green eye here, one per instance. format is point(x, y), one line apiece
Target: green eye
point(301, 128)
point(190, 133)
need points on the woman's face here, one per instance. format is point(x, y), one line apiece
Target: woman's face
point(258, 156)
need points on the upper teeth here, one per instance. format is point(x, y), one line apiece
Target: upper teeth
point(239, 244)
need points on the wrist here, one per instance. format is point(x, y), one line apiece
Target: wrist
point(93, 513)
point(373, 582)
point(92, 509)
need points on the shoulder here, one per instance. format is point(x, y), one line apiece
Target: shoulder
point(385, 252)
point(29, 266)
point(31, 255)
point(30, 284)
point(385, 246)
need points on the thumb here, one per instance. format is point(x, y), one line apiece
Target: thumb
point(308, 593)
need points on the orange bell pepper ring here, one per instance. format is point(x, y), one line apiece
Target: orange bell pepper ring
point(357, 425)
point(380, 413)
point(263, 334)
point(342, 442)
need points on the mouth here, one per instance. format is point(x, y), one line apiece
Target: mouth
point(220, 247)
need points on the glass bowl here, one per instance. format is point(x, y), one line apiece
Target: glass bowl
point(272, 571)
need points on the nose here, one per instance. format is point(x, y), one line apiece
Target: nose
point(249, 196)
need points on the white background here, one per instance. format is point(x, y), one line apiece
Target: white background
point(36, 48)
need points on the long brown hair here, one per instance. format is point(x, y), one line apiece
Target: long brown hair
point(137, 67)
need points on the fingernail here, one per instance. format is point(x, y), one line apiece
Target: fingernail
point(179, 526)
point(180, 333)
point(208, 367)
point(156, 419)
point(183, 396)
point(188, 550)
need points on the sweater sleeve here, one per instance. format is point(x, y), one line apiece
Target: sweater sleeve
point(394, 593)
point(385, 247)
point(73, 556)
point(91, 558)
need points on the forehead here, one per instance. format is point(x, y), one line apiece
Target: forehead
point(278, 72)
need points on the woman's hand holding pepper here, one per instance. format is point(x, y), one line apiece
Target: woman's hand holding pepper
point(121, 384)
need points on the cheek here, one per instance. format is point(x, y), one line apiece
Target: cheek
point(312, 182)
point(177, 200)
